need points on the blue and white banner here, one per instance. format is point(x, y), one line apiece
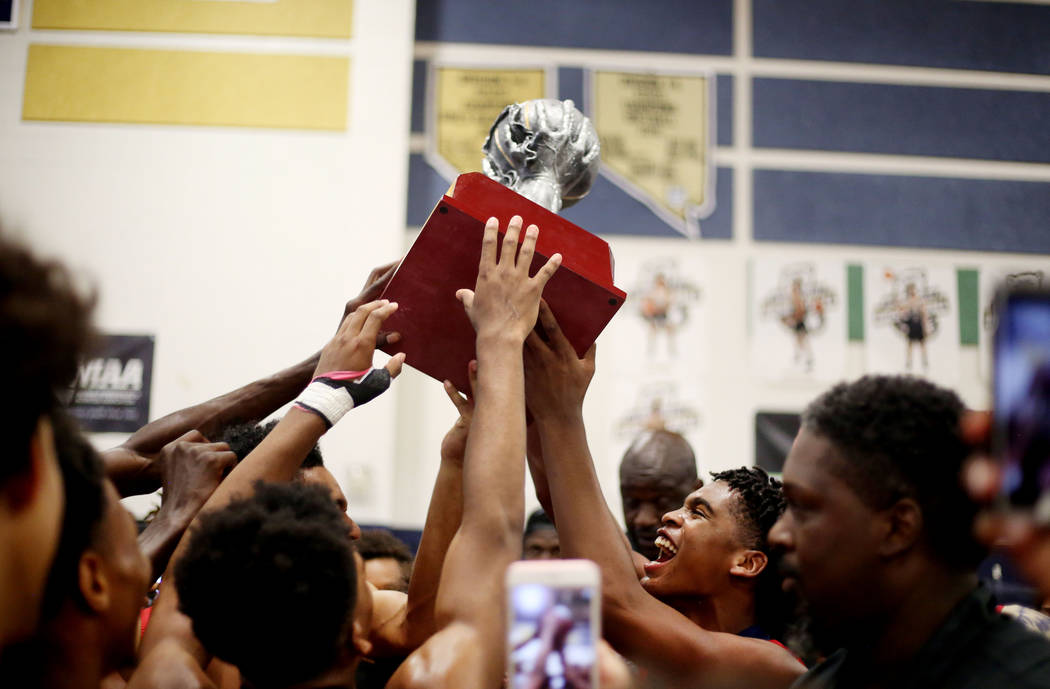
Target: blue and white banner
point(111, 391)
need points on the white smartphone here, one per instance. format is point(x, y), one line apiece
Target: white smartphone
point(553, 625)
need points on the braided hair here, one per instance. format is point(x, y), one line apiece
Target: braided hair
point(760, 502)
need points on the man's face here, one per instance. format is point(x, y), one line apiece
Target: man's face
point(128, 573)
point(828, 537)
point(700, 542)
point(541, 544)
point(646, 499)
point(320, 476)
point(36, 523)
point(385, 574)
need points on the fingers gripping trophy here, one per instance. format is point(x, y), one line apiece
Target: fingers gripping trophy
point(544, 149)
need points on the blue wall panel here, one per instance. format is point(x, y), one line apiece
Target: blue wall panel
point(570, 85)
point(595, 213)
point(419, 94)
point(673, 26)
point(1003, 37)
point(886, 210)
point(725, 110)
point(905, 120)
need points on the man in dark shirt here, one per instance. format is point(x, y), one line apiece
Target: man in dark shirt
point(878, 539)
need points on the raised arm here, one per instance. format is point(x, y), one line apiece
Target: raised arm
point(652, 634)
point(468, 651)
point(278, 457)
point(131, 466)
point(443, 518)
point(192, 468)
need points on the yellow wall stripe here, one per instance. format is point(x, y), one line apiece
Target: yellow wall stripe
point(313, 18)
point(86, 84)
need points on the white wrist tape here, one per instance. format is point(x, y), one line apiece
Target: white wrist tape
point(333, 394)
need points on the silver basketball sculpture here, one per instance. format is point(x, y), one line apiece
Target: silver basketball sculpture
point(544, 149)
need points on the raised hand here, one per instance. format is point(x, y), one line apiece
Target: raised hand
point(377, 281)
point(1026, 539)
point(556, 380)
point(504, 301)
point(454, 444)
point(192, 469)
point(354, 344)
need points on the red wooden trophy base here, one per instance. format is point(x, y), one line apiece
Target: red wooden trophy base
point(436, 335)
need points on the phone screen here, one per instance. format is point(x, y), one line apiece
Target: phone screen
point(551, 638)
point(1022, 399)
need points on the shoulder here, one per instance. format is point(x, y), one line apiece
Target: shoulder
point(824, 674)
point(388, 635)
point(448, 659)
point(169, 666)
point(1010, 651)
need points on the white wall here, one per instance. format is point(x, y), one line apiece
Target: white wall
point(237, 247)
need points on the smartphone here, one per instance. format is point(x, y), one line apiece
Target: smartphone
point(1021, 398)
point(554, 623)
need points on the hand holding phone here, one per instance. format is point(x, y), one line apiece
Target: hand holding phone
point(1022, 399)
point(554, 611)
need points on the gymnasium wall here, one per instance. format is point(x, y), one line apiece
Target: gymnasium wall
point(856, 146)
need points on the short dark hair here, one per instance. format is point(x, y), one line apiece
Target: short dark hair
point(381, 543)
point(759, 504)
point(45, 325)
point(899, 436)
point(537, 520)
point(83, 477)
point(245, 437)
point(270, 583)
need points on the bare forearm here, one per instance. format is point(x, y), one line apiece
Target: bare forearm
point(251, 402)
point(131, 472)
point(538, 471)
point(159, 539)
point(586, 527)
point(491, 500)
point(443, 519)
point(489, 537)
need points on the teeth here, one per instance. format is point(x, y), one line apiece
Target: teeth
point(663, 543)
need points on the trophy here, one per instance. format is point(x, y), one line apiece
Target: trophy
point(542, 156)
point(544, 149)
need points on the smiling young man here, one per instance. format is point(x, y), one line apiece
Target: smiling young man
point(688, 624)
point(656, 474)
point(878, 538)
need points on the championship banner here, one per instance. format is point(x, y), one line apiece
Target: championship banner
point(462, 105)
point(112, 388)
point(656, 135)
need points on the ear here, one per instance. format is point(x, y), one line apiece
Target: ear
point(749, 563)
point(94, 585)
point(903, 525)
point(359, 638)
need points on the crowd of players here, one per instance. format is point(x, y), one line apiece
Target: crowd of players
point(857, 571)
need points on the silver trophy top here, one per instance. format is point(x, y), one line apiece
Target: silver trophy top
point(544, 149)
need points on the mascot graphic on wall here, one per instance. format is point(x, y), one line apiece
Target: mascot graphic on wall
point(658, 407)
point(800, 303)
point(913, 306)
point(664, 301)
